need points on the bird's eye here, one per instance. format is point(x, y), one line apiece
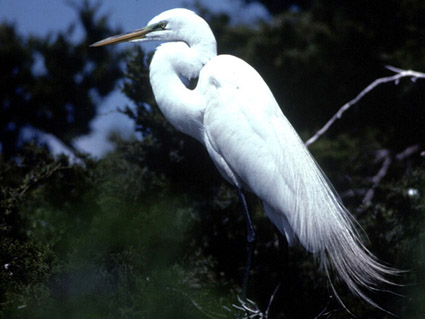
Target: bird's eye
point(162, 25)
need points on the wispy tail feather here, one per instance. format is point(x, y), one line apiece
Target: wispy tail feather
point(315, 215)
point(355, 265)
point(344, 253)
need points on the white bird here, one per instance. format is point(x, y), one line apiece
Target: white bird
point(233, 113)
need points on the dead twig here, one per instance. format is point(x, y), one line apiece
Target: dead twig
point(413, 75)
point(250, 309)
point(271, 300)
point(387, 159)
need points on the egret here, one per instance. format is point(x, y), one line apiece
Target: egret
point(233, 113)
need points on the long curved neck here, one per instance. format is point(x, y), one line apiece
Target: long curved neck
point(182, 107)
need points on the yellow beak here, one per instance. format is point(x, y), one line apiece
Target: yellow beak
point(133, 35)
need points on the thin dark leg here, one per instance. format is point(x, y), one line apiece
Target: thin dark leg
point(250, 237)
point(250, 233)
point(247, 269)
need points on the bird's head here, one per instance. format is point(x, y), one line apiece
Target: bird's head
point(171, 25)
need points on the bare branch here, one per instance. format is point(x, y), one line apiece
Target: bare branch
point(266, 314)
point(407, 152)
point(387, 159)
point(386, 162)
point(395, 78)
point(250, 309)
point(325, 312)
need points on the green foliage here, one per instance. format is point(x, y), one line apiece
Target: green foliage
point(53, 84)
point(108, 239)
point(93, 243)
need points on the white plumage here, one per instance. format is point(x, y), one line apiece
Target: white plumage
point(233, 113)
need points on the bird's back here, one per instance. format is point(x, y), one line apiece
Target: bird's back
point(253, 145)
point(247, 131)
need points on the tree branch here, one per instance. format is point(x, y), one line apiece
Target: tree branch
point(383, 155)
point(250, 309)
point(413, 75)
point(387, 159)
point(271, 300)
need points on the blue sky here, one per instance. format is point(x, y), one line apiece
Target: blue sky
point(40, 17)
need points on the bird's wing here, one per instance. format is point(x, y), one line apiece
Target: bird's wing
point(253, 144)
